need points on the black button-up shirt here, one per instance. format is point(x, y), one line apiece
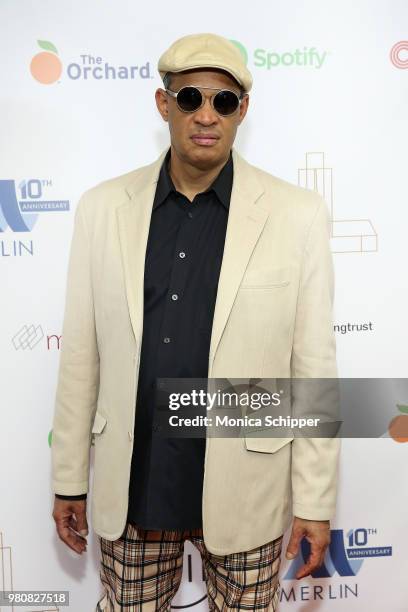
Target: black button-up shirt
point(183, 260)
point(182, 265)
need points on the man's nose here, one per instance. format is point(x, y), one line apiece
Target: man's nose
point(206, 114)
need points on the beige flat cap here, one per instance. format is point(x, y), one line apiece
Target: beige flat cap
point(205, 51)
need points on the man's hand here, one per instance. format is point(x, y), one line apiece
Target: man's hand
point(71, 523)
point(318, 534)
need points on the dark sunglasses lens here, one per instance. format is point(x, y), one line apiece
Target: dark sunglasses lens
point(189, 99)
point(226, 102)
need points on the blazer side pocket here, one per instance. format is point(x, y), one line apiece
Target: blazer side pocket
point(266, 445)
point(99, 423)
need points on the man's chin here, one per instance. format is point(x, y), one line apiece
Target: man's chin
point(205, 156)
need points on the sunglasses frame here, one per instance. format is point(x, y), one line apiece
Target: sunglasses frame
point(174, 94)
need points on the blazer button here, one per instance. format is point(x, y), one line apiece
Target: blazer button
point(130, 435)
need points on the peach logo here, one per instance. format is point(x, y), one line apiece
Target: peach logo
point(398, 427)
point(46, 66)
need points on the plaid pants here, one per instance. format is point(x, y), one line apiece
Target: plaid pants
point(142, 570)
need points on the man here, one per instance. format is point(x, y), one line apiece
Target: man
point(198, 264)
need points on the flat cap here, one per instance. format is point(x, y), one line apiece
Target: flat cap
point(205, 51)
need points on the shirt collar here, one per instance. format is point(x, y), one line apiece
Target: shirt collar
point(222, 184)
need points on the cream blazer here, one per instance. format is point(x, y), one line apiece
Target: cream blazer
point(272, 318)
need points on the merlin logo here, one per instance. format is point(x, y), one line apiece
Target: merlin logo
point(262, 58)
point(47, 68)
point(399, 54)
point(346, 560)
point(20, 214)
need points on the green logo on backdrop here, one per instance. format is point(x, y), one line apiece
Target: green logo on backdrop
point(308, 57)
point(242, 49)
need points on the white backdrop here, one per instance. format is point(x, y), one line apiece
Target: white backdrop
point(329, 101)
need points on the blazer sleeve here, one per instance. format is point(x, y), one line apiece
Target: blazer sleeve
point(78, 375)
point(314, 468)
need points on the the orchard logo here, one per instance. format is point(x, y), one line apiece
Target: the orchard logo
point(398, 427)
point(46, 66)
point(399, 54)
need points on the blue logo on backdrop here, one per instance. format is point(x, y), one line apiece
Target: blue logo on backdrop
point(344, 558)
point(20, 213)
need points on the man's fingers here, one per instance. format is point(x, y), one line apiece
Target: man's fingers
point(317, 533)
point(291, 550)
point(306, 569)
point(314, 560)
point(82, 523)
point(70, 538)
point(71, 523)
point(79, 524)
point(293, 544)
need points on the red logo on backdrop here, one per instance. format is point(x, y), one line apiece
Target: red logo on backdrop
point(399, 54)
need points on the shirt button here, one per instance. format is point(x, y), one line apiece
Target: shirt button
point(174, 296)
point(190, 214)
point(182, 254)
point(166, 340)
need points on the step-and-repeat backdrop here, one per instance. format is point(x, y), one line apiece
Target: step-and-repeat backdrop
point(328, 111)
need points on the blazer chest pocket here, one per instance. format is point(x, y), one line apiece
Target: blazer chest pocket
point(270, 278)
point(266, 445)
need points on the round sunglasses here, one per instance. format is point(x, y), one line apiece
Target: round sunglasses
point(189, 99)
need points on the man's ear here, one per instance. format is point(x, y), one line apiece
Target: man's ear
point(162, 103)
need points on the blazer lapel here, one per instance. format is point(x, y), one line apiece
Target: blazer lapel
point(246, 220)
point(133, 219)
